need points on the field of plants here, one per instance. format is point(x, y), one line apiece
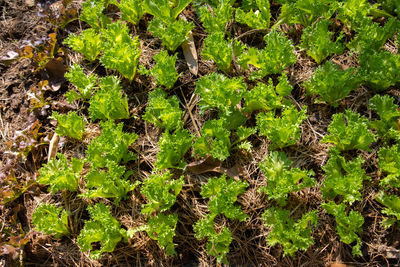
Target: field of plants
point(200, 133)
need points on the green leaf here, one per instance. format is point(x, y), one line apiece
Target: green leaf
point(172, 33)
point(332, 83)
point(282, 131)
point(317, 41)
point(281, 178)
point(108, 184)
point(164, 72)
point(349, 131)
point(165, 9)
point(285, 231)
point(46, 218)
point(218, 49)
point(389, 162)
point(344, 178)
point(173, 147)
point(87, 43)
point(347, 226)
point(132, 10)
point(71, 125)
point(92, 13)
point(387, 127)
point(283, 88)
point(392, 207)
point(262, 97)
point(111, 145)
point(84, 83)
point(101, 228)
point(163, 112)
point(258, 19)
point(108, 102)
point(214, 19)
point(160, 191)
point(60, 174)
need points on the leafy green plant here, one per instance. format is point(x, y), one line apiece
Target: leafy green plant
point(87, 43)
point(165, 9)
point(371, 36)
point(347, 226)
point(218, 91)
point(92, 13)
point(285, 231)
point(389, 162)
point(172, 33)
point(317, 41)
point(84, 83)
point(161, 191)
point(281, 131)
point(121, 53)
point(305, 12)
point(349, 131)
point(379, 70)
point(332, 83)
point(343, 178)
point(391, 6)
point(108, 184)
point(282, 179)
point(216, 20)
point(352, 12)
point(46, 218)
point(164, 72)
point(218, 49)
point(111, 145)
point(276, 56)
point(222, 194)
point(258, 19)
point(132, 10)
point(392, 208)
point(71, 124)
point(163, 112)
point(173, 146)
point(388, 125)
point(108, 102)
point(214, 140)
point(102, 228)
point(162, 229)
point(60, 174)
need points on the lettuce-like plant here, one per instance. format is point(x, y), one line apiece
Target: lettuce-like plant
point(219, 50)
point(46, 218)
point(216, 20)
point(71, 124)
point(392, 208)
point(87, 43)
point(256, 19)
point(84, 83)
point(132, 10)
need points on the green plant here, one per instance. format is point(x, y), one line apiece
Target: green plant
point(216, 20)
point(392, 208)
point(111, 145)
point(164, 72)
point(388, 125)
point(379, 70)
point(163, 112)
point(391, 6)
point(46, 218)
point(108, 102)
point(160, 191)
point(349, 131)
point(222, 194)
point(218, 49)
point(84, 83)
point(276, 56)
point(121, 53)
point(110, 183)
point(282, 179)
point(59, 174)
point(71, 124)
point(173, 146)
point(332, 83)
point(162, 229)
point(317, 41)
point(132, 10)
point(172, 33)
point(347, 226)
point(102, 228)
point(281, 131)
point(165, 9)
point(343, 178)
point(258, 19)
point(262, 97)
point(87, 43)
point(389, 162)
point(92, 13)
point(285, 231)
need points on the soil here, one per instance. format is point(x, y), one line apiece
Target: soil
point(26, 102)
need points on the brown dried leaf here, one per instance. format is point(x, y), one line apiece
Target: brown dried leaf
point(190, 53)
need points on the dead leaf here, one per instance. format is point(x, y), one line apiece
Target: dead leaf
point(53, 147)
point(55, 69)
point(190, 53)
point(212, 165)
point(9, 250)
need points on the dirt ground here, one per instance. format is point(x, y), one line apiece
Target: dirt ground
point(26, 102)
